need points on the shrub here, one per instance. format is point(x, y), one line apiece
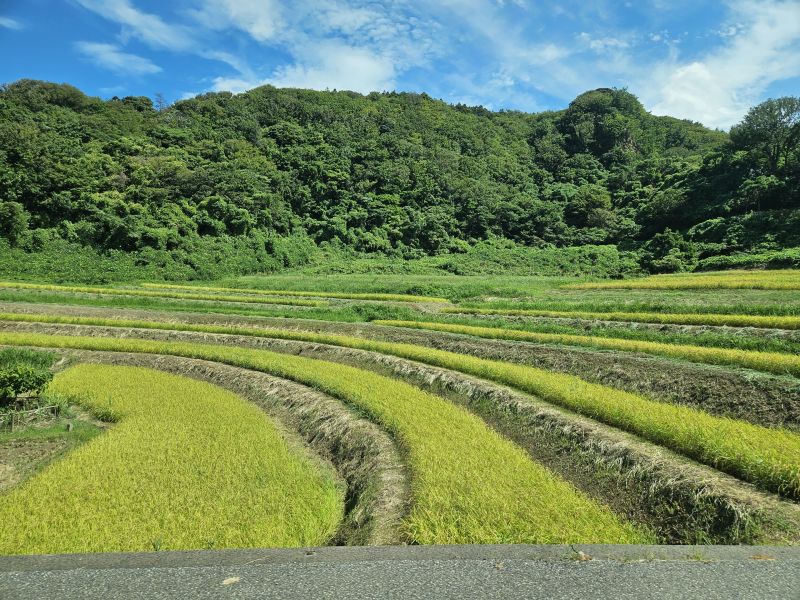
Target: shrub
point(21, 379)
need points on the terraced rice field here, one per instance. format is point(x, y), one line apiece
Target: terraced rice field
point(426, 411)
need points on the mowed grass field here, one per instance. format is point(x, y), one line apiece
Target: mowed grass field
point(470, 479)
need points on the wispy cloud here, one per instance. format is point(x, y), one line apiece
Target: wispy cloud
point(9, 23)
point(718, 88)
point(332, 43)
point(259, 18)
point(146, 27)
point(111, 57)
point(500, 53)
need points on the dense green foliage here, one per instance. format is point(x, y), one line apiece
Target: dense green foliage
point(23, 372)
point(231, 184)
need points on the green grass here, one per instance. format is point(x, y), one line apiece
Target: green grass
point(81, 431)
point(771, 362)
point(469, 484)
point(786, 279)
point(73, 289)
point(12, 357)
point(309, 294)
point(768, 457)
point(714, 319)
point(188, 465)
point(452, 287)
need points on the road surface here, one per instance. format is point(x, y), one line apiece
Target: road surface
point(411, 572)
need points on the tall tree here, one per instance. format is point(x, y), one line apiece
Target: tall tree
point(771, 129)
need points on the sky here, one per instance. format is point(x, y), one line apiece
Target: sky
point(693, 59)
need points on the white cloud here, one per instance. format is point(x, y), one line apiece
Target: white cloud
point(10, 23)
point(602, 44)
point(342, 44)
point(110, 57)
point(335, 65)
point(260, 18)
point(328, 65)
point(149, 28)
point(718, 89)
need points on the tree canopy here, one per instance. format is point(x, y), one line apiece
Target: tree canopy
point(398, 174)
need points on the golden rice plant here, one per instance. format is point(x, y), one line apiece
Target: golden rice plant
point(469, 484)
point(787, 279)
point(772, 362)
point(74, 289)
point(187, 465)
point(766, 321)
point(768, 457)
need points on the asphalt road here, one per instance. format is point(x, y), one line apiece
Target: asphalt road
point(507, 572)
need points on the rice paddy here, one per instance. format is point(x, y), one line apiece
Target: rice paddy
point(755, 280)
point(773, 362)
point(714, 319)
point(470, 477)
point(307, 294)
point(186, 465)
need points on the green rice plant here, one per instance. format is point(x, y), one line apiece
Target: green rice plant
point(469, 484)
point(307, 294)
point(772, 362)
point(769, 322)
point(73, 289)
point(787, 279)
point(768, 457)
point(187, 464)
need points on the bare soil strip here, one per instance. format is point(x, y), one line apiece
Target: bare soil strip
point(682, 500)
point(365, 457)
point(19, 459)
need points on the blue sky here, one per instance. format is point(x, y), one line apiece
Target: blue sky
point(705, 61)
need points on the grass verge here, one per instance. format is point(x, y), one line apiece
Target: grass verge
point(469, 484)
point(772, 362)
point(188, 465)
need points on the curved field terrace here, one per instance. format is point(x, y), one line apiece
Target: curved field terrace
point(292, 411)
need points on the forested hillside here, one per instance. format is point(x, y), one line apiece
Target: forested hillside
point(227, 184)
